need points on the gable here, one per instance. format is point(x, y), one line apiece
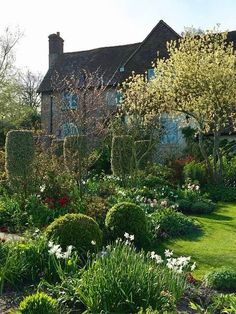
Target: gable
point(154, 43)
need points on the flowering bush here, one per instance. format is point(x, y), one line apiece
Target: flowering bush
point(122, 280)
point(169, 223)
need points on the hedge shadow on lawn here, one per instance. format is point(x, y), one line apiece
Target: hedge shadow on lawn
point(215, 216)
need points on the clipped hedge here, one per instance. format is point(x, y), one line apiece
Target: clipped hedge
point(122, 155)
point(20, 150)
point(74, 151)
point(77, 230)
point(39, 303)
point(130, 218)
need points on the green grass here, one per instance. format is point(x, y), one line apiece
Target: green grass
point(215, 245)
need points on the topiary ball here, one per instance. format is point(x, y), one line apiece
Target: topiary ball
point(78, 230)
point(127, 217)
point(39, 303)
point(223, 279)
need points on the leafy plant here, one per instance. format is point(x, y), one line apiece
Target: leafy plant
point(222, 279)
point(121, 280)
point(39, 303)
point(169, 223)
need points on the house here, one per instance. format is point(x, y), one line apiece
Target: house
point(112, 64)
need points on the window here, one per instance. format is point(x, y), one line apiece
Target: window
point(122, 69)
point(69, 129)
point(119, 98)
point(150, 74)
point(111, 98)
point(170, 131)
point(70, 101)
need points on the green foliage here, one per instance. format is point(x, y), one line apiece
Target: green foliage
point(22, 263)
point(122, 162)
point(223, 279)
point(77, 230)
point(39, 303)
point(20, 149)
point(195, 171)
point(148, 311)
point(127, 217)
point(97, 208)
point(143, 153)
point(202, 207)
point(123, 280)
point(169, 223)
point(57, 147)
point(221, 193)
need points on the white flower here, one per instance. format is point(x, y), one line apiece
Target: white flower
point(168, 253)
point(126, 235)
point(93, 242)
point(50, 244)
point(42, 188)
point(131, 237)
point(197, 187)
point(158, 259)
point(68, 252)
point(193, 266)
point(153, 255)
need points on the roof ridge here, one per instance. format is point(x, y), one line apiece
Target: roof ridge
point(105, 47)
point(146, 38)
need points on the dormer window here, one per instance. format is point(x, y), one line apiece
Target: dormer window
point(122, 69)
point(70, 101)
point(150, 74)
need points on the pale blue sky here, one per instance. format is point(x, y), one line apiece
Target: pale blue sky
point(86, 24)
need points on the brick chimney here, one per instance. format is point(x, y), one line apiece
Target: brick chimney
point(55, 48)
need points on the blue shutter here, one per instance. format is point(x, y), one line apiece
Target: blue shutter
point(74, 101)
point(171, 131)
point(119, 98)
point(150, 74)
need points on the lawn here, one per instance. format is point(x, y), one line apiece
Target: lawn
point(215, 246)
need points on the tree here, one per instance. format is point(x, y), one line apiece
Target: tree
point(29, 84)
point(196, 85)
point(199, 80)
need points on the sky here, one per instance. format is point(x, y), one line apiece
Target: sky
point(87, 24)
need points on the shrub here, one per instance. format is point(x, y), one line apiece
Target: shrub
point(195, 171)
point(22, 263)
point(184, 205)
point(223, 279)
point(122, 155)
point(39, 303)
point(74, 151)
point(122, 280)
point(77, 230)
point(127, 217)
point(169, 223)
point(221, 193)
point(38, 213)
point(20, 149)
point(202, 207)
point(97, 208)
point(12, 217)
point(143, 153)
point(57, 147)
